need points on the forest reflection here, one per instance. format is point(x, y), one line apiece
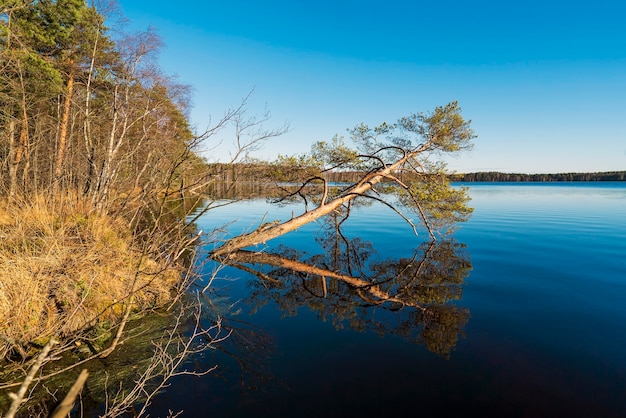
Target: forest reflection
point(415, 298)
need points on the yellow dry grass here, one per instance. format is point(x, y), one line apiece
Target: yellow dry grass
point(64, 268)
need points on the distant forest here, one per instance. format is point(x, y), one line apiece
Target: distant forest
point(516, 177)
point(247, 173)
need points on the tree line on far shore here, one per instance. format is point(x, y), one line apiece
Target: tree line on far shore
point(260, 172)
point(494, 176)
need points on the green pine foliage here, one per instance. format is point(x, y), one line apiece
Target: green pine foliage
point(124, 128)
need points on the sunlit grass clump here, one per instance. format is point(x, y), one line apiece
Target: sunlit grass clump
point(64, 268)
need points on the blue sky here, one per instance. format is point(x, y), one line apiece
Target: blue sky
point(544, 82)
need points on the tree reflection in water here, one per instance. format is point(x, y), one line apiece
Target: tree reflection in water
point(410, 297)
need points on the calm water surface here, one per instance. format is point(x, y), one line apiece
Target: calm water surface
point(545, 333)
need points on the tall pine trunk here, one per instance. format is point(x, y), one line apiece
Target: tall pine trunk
point(63, 132)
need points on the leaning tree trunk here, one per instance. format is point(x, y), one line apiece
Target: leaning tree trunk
point(267, 232)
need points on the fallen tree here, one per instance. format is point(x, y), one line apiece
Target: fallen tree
point(398, 156)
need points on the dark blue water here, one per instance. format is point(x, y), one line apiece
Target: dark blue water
point(539, 326)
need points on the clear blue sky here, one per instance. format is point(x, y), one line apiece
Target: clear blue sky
point(544, 82)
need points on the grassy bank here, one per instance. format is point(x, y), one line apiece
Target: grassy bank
point(106, 294)
point(66, 270)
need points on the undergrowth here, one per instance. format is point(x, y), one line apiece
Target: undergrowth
point(67, 269)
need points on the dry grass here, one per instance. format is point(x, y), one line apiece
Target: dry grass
point(65, 268)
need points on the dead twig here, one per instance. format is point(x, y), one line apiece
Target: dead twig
point(67, 403)
point(18, 398)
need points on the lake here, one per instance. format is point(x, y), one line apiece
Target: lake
point(522, 313)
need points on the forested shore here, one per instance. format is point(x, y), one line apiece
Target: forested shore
point(99, 173)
